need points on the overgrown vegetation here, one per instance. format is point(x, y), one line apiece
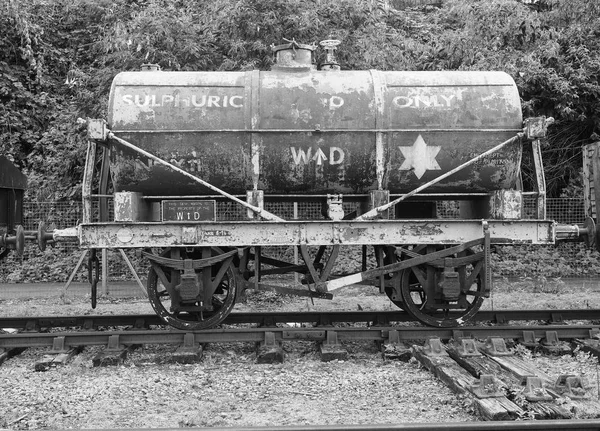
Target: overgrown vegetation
point(58, 57)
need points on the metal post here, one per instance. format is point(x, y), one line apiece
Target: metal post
point(88, 175)
point(540, 184)
point(296, 248)
point(105, 271)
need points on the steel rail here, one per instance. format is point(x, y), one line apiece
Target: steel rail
point(32, 323)
point(374, 333)
point(533, 425)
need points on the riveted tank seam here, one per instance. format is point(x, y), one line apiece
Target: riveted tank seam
point(379, 102)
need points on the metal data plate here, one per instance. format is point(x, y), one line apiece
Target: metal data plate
point(188, 211)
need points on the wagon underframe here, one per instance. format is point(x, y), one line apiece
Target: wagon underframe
point(413, 259)
point(436, 269)
point(295, 233)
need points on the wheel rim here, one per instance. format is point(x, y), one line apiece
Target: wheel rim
point(387, 256)
point(390, 292)
point(423, 297)
point(160, 286)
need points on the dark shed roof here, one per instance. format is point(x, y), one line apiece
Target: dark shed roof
point(10, 176)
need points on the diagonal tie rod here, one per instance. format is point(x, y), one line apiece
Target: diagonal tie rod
point(259, 211)
point(375, 211)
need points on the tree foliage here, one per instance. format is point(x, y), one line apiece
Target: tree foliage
point(58, 57)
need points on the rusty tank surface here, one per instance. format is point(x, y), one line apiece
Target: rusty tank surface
point(295, 129)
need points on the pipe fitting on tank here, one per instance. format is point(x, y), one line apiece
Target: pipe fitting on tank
point(330, 45)
point(150, 67)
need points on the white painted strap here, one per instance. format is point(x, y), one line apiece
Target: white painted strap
point(344, 281)
point(261, 212)
point(375, 211)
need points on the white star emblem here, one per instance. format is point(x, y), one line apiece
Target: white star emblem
point(420, 157)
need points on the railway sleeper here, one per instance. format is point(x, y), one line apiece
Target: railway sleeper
point(331, 349)
point(533, 398)
point(59, 355)
point(532, 390)
point(550, 344)
point(395, 349)
point(507, 387)
point(114, 353)
point(579, 403)
point(591, 345)
point(188, 352)
point(436, 359)
point(269, 350)
point(6, 354)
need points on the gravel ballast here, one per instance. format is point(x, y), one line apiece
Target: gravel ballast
point(228, 388)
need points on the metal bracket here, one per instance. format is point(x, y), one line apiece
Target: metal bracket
point(487, 260)
point(537, 127)
point(331, 348)
point(465, 347)
point(255, 198)
point(551, 339)
point(58, 345)
point(319, 280)
point(496, 347)
point(335, 208)
point(534, 390)
point(190, 287)
point(189, 341)
point(434, 347)
point(486, 387)
point(571, 386)
point(269, 340)
point(114, 344)
point(189, 235)
point(529, 339)
point(97, 129)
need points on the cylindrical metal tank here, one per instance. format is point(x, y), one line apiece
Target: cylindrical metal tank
point(313, 132)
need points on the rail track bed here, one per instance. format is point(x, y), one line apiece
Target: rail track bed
point(477, 362)
point(317, 318)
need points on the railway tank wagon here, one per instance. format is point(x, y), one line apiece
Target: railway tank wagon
point(13, 237)
point(13, 184)
point(393, 144)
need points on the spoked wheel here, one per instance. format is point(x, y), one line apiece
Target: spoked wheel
point(444, 296)
point(192, 290)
